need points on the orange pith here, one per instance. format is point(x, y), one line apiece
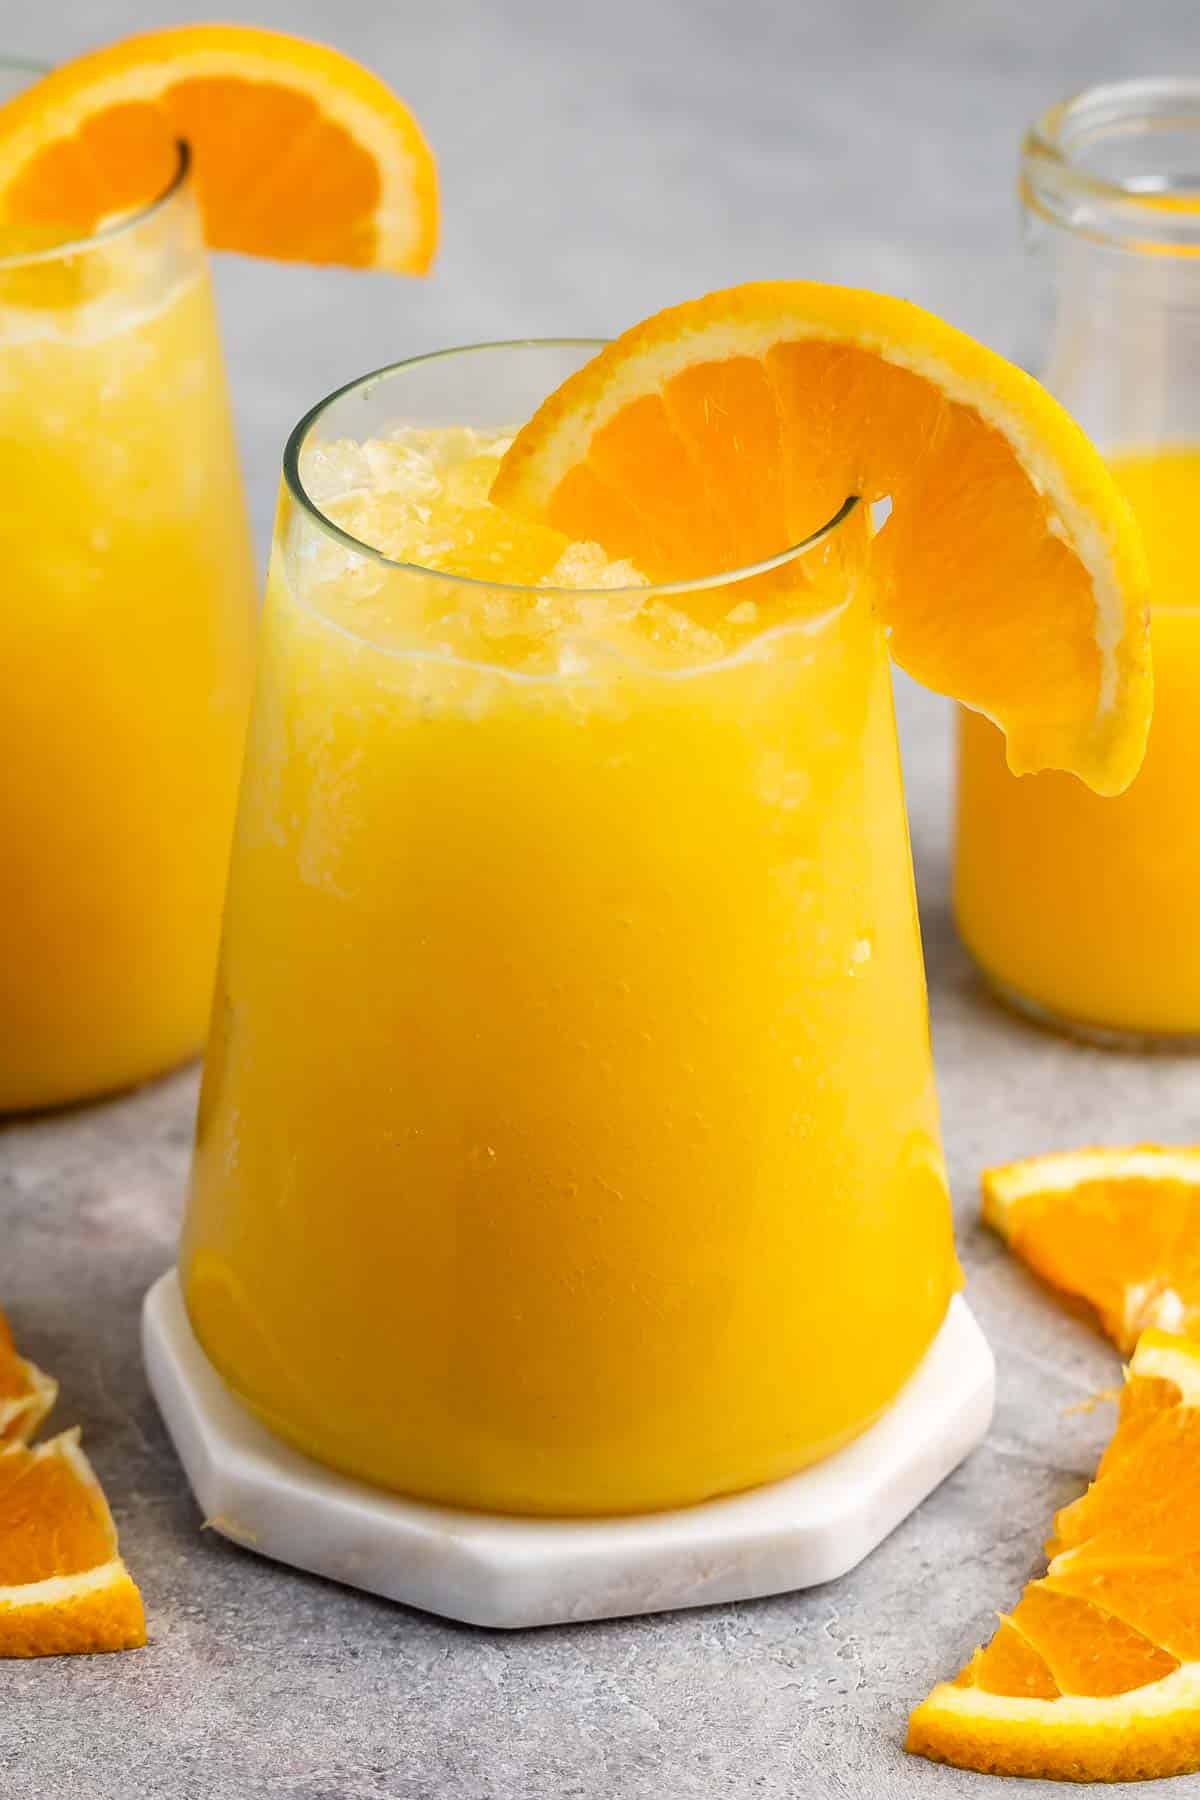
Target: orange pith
point(1010, 572)
point(1096, 1674)
point(26, 1395)
point(299, 152)
point(1117, 1228)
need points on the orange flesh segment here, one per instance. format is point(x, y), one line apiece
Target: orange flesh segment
point(1086, 1651)
point(299, 153)
point(1009, 572)
point(854, 425)
point(1011, 1665)
point(1100, 1662)
point(63, 1587)
point(1126, 1242)
point(1105, 1238)
point(12, 1382)
point(49, 1523)
point(114, 163)
point(26, 1395)
point(1150, 1595)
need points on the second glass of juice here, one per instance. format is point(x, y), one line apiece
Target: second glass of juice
point(568, 1141)
point(126, 651)
point(1082, 910)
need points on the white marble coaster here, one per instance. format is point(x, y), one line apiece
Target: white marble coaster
point(489, 1570)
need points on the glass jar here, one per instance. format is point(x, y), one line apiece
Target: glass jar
point(1083, 911)
point(125, 652)
point(568, 1140)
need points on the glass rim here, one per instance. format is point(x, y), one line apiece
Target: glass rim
point(294, 484)
point(1048, 155)
point(105, 234)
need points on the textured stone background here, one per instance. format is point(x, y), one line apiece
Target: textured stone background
point(598, 162)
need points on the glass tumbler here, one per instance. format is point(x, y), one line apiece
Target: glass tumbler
point(568, 1139)
point(1081, 910)
point(125, 652)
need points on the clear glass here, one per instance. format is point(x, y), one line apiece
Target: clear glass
point(1083, 910)
point(126, 651)
point(568, 1139)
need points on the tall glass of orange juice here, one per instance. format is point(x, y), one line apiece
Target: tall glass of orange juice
point(1083, 910)
point(568, 1139)
point(125, 652)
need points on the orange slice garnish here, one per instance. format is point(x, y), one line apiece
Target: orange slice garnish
point(1117, 1228)
point(299, 152)
point(26, 1395)
point(1010, 571)
point(1096, 1674)
point(63, 1587)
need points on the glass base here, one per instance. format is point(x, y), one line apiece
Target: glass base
point(1099, 1037)
point(507, 1572)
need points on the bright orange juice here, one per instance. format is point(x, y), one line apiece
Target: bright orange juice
point(125, 656)
point(1087, 907)
point(568, 1140)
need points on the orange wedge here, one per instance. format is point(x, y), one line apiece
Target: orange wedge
point(1118, 1229)
point(63, 1587)
point(1009, 572)
point(299, 152)
point(26, 1395)
point(1096, 1674)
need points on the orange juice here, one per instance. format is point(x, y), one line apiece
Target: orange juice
point(568, 1139)
point(125, 655)
point(1084, 907)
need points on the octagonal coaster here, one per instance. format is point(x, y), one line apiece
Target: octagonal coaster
point(484, 1569)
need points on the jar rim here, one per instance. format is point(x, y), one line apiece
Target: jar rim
point(1154, 209)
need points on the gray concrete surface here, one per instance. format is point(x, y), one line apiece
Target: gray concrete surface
point(598, 162)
